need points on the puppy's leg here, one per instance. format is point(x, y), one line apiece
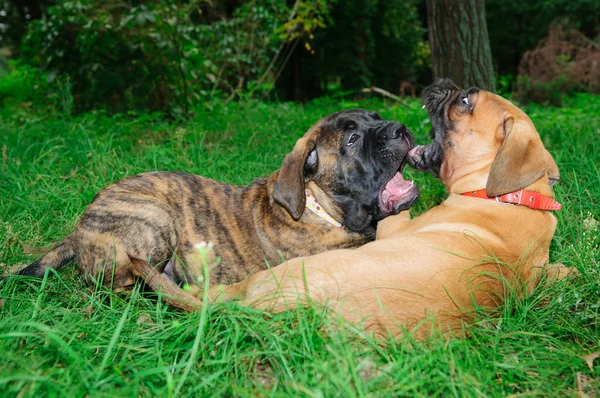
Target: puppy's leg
point(122, 225)
point(102, 258)
point(59, 256)
point(560, 271)
point(159, 282)
point(223, 293)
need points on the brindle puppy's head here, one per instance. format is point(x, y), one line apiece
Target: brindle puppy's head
point(481, 140)
point(355, 158)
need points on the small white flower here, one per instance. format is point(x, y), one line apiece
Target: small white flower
point(200, 245)
point(204, 246)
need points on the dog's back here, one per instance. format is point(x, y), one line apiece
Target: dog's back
point(141, 216)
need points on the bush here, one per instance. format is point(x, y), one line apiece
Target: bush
point(530, 90)
point(117, 57)
point(22, 86)
point(368, 42)
point(238, 50)
point(148, 56)
point(155, 56)
point(26, 92)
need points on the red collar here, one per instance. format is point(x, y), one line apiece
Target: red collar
point(534, 200)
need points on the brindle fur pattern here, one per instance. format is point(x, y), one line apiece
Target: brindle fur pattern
point(158, 217)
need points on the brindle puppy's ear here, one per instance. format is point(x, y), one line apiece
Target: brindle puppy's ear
point(520, 161)
point(289, 187)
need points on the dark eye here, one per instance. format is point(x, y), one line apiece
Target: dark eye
point(353, 139)
point(465, 100)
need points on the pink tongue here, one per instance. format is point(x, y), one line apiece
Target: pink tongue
point(395, 188)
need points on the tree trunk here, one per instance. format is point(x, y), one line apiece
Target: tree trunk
point(460, 46)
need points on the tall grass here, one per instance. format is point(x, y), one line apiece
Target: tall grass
point(60, 337)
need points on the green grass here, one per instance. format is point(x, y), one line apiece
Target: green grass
point(59, 337)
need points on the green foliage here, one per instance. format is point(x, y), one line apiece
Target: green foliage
point(401, 53)
point(235, 52)
point(378, 43)
point(157, 56)
point(306, 17)
point(14, 15)
point(353, 43)
point(504, 84)
point(166, 56)
point(368, 42)
point(64, 338)
point(18, 84)
point(116, 56)
point(552, 92)
point(25, 90)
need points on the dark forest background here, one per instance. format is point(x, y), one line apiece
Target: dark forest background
point(169, 56)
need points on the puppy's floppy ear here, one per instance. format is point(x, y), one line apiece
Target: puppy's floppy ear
point(520, 161)
point(551, 168)
point(289, 187)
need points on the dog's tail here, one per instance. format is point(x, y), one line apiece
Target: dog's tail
point(59, 256)
point(172, 294)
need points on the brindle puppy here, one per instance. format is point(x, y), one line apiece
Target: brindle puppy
point(350, 162)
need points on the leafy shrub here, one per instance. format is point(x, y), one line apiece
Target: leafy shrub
point(368, 42)
point(26, 92)
point(22, 86)
point(401, 52)
point(14, 15)
point(117, 57)
point(237, 50)
point(160, 56)
point(531, 90)
point(148, 56)
point(505, 84)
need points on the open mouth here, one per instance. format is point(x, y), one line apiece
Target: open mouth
point(398, 194)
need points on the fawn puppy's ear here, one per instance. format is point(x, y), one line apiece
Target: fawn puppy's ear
point(520, 161)
point(288, 191)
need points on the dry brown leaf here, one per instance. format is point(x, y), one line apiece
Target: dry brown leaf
point(145, 318)
point(263, 373)
point(367, 369)
point(587, 386)
point(589, 358)
point(89, 310)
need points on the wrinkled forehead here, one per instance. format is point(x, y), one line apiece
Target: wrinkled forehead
point(340, 120)
point(492, 104)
